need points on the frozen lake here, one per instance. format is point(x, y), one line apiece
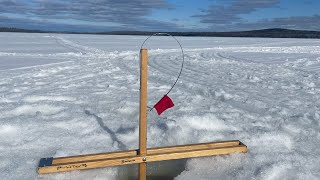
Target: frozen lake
point(64, 95)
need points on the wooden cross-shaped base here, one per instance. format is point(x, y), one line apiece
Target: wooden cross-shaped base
point(142, 155)
point(90, 161)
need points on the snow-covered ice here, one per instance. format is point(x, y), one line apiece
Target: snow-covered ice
point(66, 95)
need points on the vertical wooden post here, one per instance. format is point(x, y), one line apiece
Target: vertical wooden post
point(143, 113)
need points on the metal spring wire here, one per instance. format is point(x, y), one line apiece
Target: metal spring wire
point(182, 52)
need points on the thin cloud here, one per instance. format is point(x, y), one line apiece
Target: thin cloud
point(126, 13)
point(227, 17)
point(122, 15)
point(231, 11)
point(294, 22)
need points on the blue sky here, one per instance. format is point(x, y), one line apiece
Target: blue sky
point(160, 15)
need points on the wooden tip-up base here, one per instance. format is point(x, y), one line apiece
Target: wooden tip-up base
point(51, 165)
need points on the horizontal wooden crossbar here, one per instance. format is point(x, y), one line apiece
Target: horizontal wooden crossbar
point(61, 164)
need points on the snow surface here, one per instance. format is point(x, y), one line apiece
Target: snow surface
point(66, 95)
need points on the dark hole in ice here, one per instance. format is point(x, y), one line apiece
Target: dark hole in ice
point(162, 170)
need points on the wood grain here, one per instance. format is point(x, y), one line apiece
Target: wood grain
point(143, 112)
point(188, 152)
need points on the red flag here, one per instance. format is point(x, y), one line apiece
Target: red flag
point(164, 104)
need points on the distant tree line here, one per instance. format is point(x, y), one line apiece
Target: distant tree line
point(266, 33)
point(9, 29)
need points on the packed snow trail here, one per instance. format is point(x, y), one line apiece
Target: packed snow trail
point(264, 92)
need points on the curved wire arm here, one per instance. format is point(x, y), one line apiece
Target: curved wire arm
point(182, 52)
